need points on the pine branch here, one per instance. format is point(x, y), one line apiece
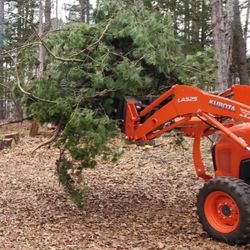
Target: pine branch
point(14, 59)
point(55, 56)
point(17, 50)
point(16, 121)
point(96, 43)
point(51, 139)
point(46, 47)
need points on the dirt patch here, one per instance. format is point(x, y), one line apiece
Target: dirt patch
point(144, 201)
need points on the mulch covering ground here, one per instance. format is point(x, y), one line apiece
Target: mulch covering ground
point(144, 201)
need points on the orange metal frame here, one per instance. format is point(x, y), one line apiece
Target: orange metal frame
point(196, 112)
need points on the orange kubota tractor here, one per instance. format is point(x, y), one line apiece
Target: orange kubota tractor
point(223, 204)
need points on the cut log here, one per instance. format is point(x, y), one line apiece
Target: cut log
point(34, 128)
point(5, 143)
point(14, 136)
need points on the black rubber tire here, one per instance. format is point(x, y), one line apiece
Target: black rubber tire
point(240, 192)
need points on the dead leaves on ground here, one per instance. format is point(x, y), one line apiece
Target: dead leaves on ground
point(144, 201)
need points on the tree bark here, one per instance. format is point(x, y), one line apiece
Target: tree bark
point(1, 58)
point(1, 23)
point(138, 3)
point(195, 8)
point(247, 20)
point(87, 11)
point(221, 44)
point(240, 46)
point(187, 20)
point(19, 21)
point(82, 10)
point(41, 56)
point(47, 14)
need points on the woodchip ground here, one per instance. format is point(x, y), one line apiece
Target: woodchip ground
point(144, 201)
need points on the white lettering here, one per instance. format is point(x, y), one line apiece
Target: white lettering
point(222, 105)
point(245, 113)
point(188, 99)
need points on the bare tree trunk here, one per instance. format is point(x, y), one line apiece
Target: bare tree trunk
point(195, 26)
point(41, 56)
point(87, 11)
point(34, 128)
point(57, 21)
point(187, 20)
point(221, 45)
point(240, 46)
point(1, 24)
point(247, 20)
point(82, 10)
point(47, 14)
point(138, 3)
point(203, 25)
point(1, 59)
point(19, 21)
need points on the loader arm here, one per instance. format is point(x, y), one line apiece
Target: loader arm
point(196, 112)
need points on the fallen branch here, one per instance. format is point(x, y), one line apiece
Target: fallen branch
point(52, 54)
point(14, 59)
point(51, 139)
point(58, 57)
point(6, 53)
point(16, 121)
point(95, 43)
point(45, 46)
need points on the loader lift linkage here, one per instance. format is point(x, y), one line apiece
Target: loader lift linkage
point(224, 202)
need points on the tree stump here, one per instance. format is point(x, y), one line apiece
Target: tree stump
point(5, 143)
point(14, 136)
point(34, 128)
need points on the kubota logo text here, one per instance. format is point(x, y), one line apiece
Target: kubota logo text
point(222, 105)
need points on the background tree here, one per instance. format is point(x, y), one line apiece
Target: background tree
point(239, 46)
point(1, 57)
point(222, 45)
point(138, 3)
point(41, 56)
point(247, 19)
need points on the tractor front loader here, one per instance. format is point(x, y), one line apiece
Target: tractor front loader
point(223, 204)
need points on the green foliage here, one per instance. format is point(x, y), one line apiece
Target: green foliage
point(200, 68)
point(86, 135)
point(64, 170)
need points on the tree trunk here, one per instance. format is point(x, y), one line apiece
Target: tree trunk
point(57, 21)
point(138, 3)
point(1, 24)
point(47, 14)
point(41, 56)
point(221, 44)
point(19, 21)
point(187, 20)
point(82, 10)
point(240, 46)
point(247, 20)
point(34, 128)
point(1, 58)
point(195, 28)
point(87, 11)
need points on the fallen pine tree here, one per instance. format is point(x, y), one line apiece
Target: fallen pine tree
point(90, 68)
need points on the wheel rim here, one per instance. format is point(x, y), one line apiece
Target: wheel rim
point(222, 212)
